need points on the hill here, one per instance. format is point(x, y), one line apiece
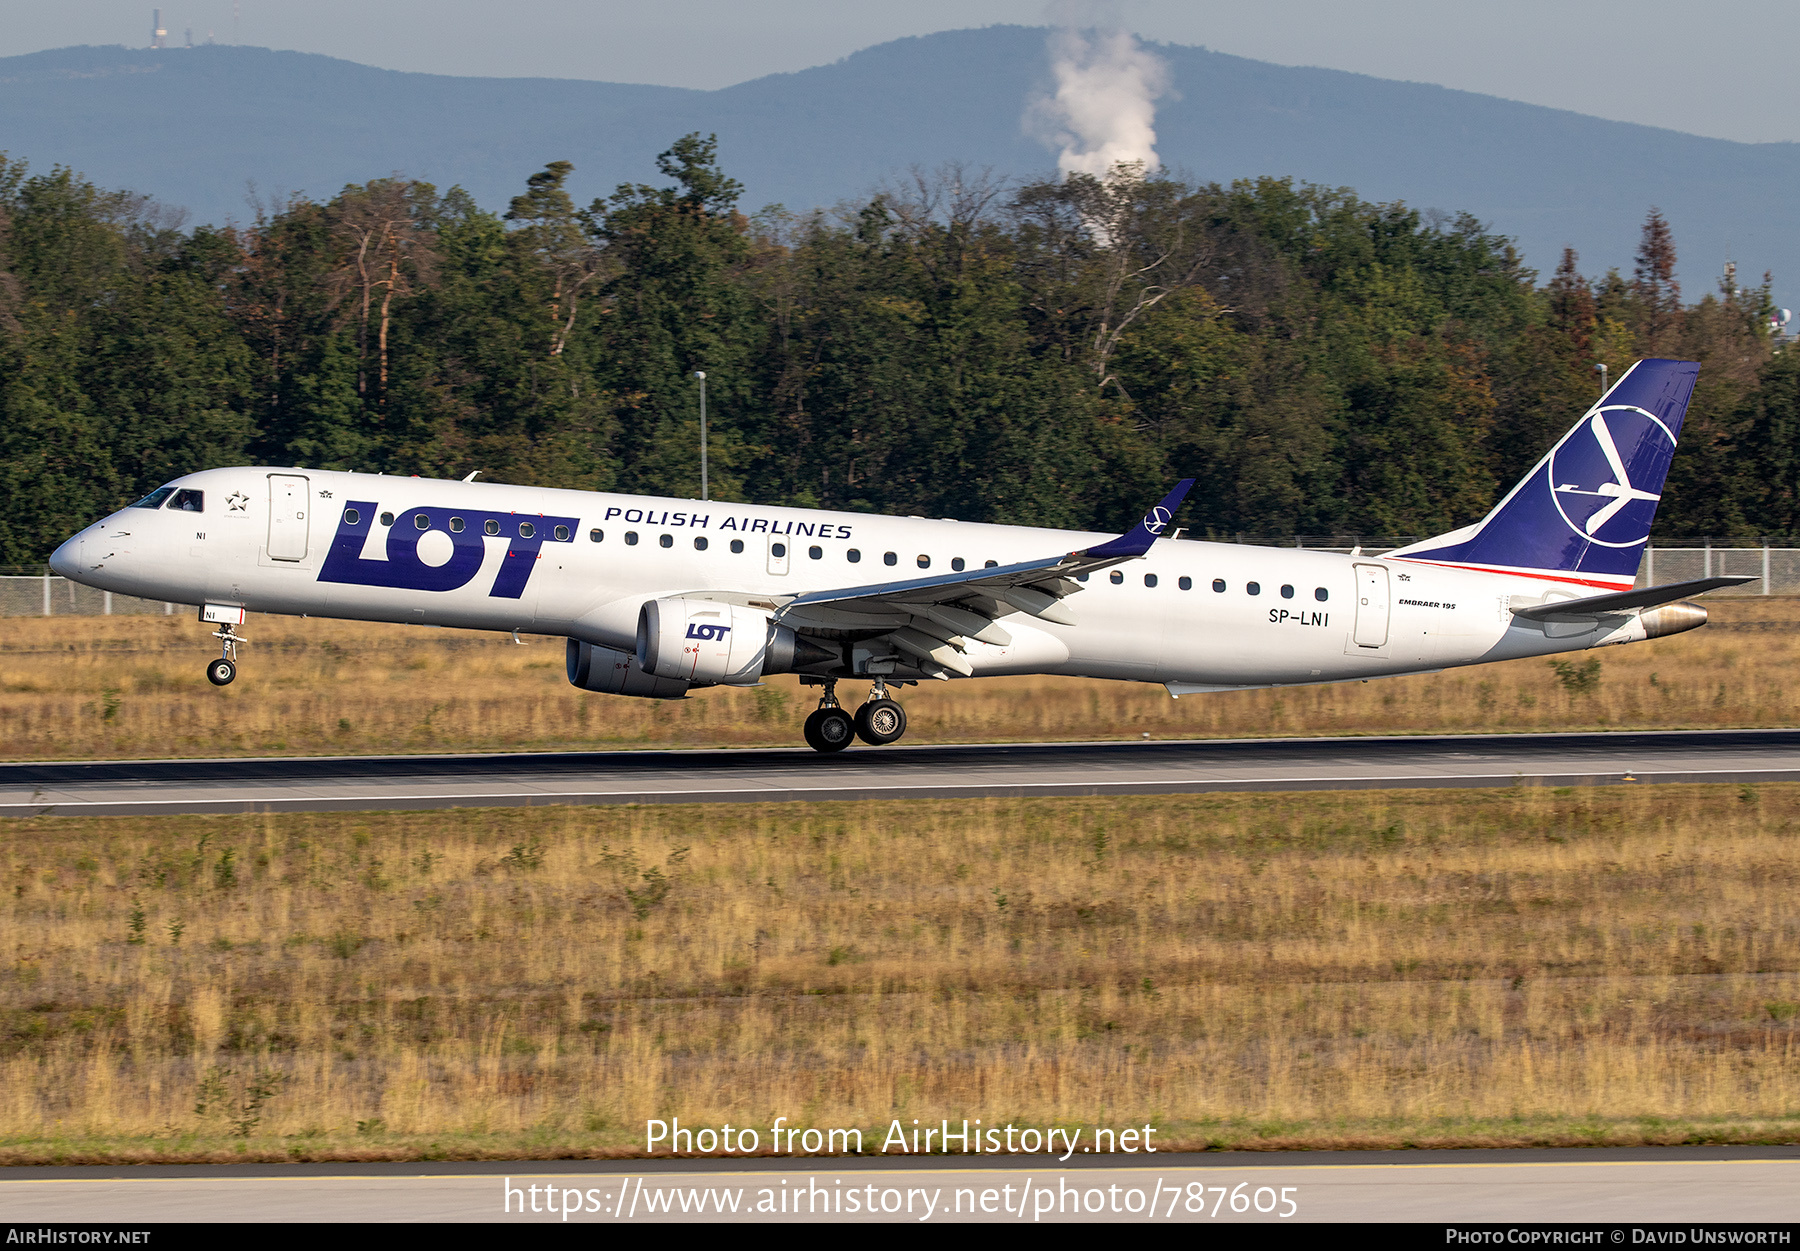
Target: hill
point(193, 126)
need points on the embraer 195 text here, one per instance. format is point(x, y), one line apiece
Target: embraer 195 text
point(657, 597)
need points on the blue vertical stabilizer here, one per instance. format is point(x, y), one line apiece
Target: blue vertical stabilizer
point(1583, 514)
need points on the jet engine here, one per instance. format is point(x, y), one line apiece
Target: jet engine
point(616, 673)
point(704, 642)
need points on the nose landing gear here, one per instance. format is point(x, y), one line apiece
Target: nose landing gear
point(220, 672)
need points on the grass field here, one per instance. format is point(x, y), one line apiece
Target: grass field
point(133, 686)
point(1427, 967)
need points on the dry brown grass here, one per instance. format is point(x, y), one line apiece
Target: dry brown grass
point(133, 686)
point(1609, 965)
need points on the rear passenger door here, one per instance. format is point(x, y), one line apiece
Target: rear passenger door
point(1371, 607)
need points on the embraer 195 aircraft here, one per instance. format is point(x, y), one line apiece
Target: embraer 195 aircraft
point(657, 597)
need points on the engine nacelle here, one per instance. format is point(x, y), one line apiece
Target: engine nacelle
point(615, 673)
point(704, 641)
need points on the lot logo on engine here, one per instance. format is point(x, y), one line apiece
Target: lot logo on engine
point(441, 549)
point(704, 632)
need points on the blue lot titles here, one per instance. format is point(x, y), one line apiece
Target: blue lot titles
point(944, 1138)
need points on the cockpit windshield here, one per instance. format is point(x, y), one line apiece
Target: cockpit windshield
point(155, 498)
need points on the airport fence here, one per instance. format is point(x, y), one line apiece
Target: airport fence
point(1775, 569)
point(26, 592)
point(43, 594)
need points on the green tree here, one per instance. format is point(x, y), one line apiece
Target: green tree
point(675, 303)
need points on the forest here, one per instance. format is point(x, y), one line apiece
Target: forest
point(953, 345)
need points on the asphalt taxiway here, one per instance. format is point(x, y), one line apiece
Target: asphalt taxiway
point(293, 784)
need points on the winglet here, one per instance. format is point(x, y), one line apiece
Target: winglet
point(1137, 541)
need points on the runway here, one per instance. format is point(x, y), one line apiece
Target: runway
point(1622, 1188)
point(290, 784)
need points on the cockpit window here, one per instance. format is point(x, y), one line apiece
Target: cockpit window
point(155, 498)
point(188, 502)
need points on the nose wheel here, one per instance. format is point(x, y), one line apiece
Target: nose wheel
point(220, 672)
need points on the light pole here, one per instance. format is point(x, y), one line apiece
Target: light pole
point(1600, 368)
point(701, 374)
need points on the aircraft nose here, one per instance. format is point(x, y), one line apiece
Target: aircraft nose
point(65, 560)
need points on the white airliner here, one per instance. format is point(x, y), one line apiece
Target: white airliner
point(657, 597)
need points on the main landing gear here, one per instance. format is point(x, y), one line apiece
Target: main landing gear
point(878, 722)
point(221, 671)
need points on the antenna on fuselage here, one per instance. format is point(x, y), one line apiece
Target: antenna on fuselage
point(471, 476)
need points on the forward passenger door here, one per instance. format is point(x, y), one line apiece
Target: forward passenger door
point(287, 516)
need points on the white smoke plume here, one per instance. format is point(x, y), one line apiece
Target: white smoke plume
point(1103, 111)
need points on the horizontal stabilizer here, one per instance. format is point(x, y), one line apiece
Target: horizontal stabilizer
point(1622, 601)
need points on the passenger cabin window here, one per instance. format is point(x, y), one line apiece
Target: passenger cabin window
point(1185, 583)
point(421, 521)
point(1321, 594)
point(1219, 585)
point(853, 556)
point(387, 519)
point(778, 550)
point(489, 527)
point(1115, 577)
point(700, 543)
point(667, 540)
point(956, 563)
point(1253, 588)
point(562, 532)
point(352, 517)
point(526, 529)
point(595, 536)
point(631, 538)
point(187, 501)
point(1149, 579)
point(737, 545)
point(924, 562)
point(456, 525)
point(1287, 592)
point(155, 498)
point(990, 564)
point(888, 558)
point(1081, 577)
point(816, 553)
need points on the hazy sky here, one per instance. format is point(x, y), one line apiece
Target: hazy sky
point(1721, 69)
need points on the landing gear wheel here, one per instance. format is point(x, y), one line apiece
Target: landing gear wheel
point(829, 730)
point(220, 672)
point(880, 722)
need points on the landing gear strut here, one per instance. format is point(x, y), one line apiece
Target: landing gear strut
point(829, 729)
point(221, 671)
point(880, 720)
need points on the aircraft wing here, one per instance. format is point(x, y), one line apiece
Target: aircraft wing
point(1622, 601)
point(932, 618)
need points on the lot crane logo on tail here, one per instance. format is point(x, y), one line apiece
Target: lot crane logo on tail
point(1591, 479)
